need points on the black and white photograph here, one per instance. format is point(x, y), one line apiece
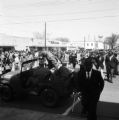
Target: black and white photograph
point(59, 59)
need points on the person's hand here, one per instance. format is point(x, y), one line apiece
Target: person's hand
point(52, 70)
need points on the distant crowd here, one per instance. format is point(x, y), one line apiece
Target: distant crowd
point(12, 60)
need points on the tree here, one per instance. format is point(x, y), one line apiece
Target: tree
point(111, 40)
point(61, 39)
point(38, 35)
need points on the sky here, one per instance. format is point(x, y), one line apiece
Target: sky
point(72, 19)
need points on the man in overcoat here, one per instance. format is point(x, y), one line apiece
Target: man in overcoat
point(91, 84)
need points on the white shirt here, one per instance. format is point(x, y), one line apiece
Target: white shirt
point(89, 73)
point(111, 57)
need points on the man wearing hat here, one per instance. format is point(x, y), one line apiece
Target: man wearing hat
point(91, 85)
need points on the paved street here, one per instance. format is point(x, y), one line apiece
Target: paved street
point(31, 109)
point(33, 103)
point(24, 114)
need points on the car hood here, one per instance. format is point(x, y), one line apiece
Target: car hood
point(9, 75)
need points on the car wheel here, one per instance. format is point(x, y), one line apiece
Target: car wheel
point(49, 97)
point(6, 93)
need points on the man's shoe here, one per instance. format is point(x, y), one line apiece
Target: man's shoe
point(110, 81)
point(83, 115)
point(114, 76)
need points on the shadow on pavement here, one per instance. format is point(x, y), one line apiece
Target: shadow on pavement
point(34, 103)
point(105, 110)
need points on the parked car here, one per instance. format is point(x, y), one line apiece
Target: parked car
point(51, 87)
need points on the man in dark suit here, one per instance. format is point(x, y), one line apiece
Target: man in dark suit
point(116, 66)
point(91, 85)
point(108, 67)
point(113, 64)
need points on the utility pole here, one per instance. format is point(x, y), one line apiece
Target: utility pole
point(95, 43)
point(45, 36)
point(84, 42)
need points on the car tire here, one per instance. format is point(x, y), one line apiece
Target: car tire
point(6, 93)
point(49, 97)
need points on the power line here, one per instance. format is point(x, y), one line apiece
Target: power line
point(70, 13)
point(75, 19)
point(86, 18)
point(89, 2)
point(56, 14)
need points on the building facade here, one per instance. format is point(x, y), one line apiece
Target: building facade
point(94, 45)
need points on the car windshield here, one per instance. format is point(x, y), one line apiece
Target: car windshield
point(30, 64)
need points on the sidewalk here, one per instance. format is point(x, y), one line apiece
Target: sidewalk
point(21, 114)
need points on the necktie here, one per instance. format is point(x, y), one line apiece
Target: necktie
point(88, 75)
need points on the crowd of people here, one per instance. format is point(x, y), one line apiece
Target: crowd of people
point(12, 60)
point(86, 64)
point(107, 62)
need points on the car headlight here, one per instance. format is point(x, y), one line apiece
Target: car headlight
point(4, 81)
point(6, 76)
point(2, 77)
